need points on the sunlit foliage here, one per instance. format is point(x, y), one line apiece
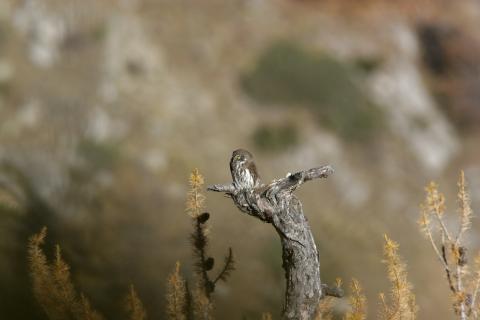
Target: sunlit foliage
point(176, 295)
point(52, 285)
point(54, 290)
point(401, 304)
point(449, 246)
point(135, 306)
point(358, 303)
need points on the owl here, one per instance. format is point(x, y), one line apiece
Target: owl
point(243, 169)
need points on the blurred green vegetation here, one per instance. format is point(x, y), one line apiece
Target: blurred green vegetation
point(101, 155)
point(271, 138)
point(5, 88)
point(288, 74)
point(367, 64)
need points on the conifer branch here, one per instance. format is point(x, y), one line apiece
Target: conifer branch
point(435, 202)
point(202, 305)
point(88, 313)
point(266, 316)
point(52, 285)
point(134, 305)
point(200, 242)
point(176, 295)
point(464, 209)
point(447, 269)
point(402, 301)
point(453, 253)
point(358, 303)
point(473, 304)
point(228, 267)
point(203, 263)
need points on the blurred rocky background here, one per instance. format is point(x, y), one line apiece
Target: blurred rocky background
point(107, 105)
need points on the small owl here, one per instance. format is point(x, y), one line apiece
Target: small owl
point(243, 169)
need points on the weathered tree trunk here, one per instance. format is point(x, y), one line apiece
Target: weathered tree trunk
point(276, 204)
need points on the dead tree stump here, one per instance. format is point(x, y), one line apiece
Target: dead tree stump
point(276, 204)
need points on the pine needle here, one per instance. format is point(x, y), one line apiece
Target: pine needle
point(358, 303)
point(325, 309)
point(202, 305)
point(228, 267)
point(176, 295)
point(87, 312)
point(195, 199)
point(464, 209)
point(41, 274)
point(402, 301)
point(452, 251)
point(52, 284)
point(266, 316)
point(135, 306)
point(435, 204)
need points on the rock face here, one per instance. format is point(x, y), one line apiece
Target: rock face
point(411, 110)
point(151, 68)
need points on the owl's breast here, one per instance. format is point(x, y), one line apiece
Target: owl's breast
point(244, 179)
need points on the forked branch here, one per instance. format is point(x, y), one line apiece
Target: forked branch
point(275, 203)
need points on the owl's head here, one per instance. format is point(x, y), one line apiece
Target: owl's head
point(241, 156)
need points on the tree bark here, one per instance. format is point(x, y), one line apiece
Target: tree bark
point(276, 204)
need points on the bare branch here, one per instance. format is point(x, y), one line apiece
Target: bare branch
point(276, 204)
point(293, 181)
point(227, 188)
point(333, 291)
point(228, 267)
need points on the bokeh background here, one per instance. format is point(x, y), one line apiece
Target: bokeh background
point(106, 106)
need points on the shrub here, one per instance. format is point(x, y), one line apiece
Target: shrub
point(271, 138)
point(287, 74)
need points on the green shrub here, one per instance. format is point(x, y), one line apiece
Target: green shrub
point(367, 64)
point(289, 75)
point(270, 138)
point(100, 155)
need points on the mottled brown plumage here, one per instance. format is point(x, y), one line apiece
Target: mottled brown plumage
point(243, 169)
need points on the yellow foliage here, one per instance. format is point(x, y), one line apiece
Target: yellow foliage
point(88, 312)
point(9, 200)
point(135, 305)
point(358, 303)
point(435, 199)
point(266, 316)
point(176, 295)
point(475, 284)
point(195, 199)
point(449, 247)
point(464, 209)
point(435, 205)
point(52, 285)
point(402, 303)
point(202, 305)
point(324, 309)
